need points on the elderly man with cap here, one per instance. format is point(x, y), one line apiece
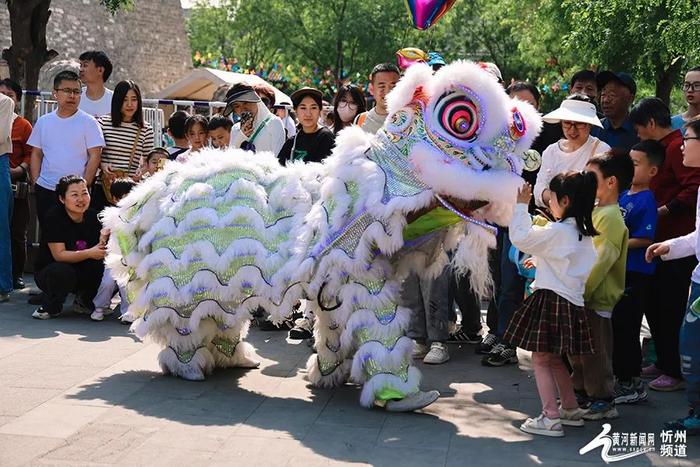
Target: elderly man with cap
point(617, 91)
point(312, 142)
point(258, 129)
point(577, 116)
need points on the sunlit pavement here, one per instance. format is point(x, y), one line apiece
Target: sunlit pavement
point(74, 392)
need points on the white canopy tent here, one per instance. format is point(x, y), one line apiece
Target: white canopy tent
point(201, 83)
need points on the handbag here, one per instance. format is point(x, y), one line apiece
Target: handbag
point(120, 173)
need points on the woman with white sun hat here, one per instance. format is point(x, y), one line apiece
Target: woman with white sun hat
point(577, 116)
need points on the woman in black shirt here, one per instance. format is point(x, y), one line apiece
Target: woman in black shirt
point(313, 142)
point(71, 252)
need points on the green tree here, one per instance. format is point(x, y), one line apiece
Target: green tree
point(652, 38)
point(29, 51)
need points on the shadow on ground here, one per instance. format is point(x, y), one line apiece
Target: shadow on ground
point(458, 430)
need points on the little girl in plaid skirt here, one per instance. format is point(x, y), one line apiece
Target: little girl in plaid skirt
point(552, 321)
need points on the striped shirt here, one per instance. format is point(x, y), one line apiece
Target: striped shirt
point(119, 141)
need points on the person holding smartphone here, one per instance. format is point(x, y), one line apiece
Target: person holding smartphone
point(257, 129)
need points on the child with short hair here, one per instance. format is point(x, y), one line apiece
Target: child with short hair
point(552, 321)
point(220, 131)
point(103, 299)
point(152, 162)
point(592, 374)
point(689, 337)
point(639, 211)
point(176, 130)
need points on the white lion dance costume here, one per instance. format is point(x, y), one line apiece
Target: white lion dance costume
point(203, 243)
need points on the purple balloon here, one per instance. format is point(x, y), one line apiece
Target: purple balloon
point(425, 13)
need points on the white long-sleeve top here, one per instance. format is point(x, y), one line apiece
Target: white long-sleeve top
point(556, 161)
point(564, 257)
point(270, 138)
point(687, 245)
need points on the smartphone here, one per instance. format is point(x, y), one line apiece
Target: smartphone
point(246, 117)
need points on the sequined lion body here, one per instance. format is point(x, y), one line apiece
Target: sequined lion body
point(202, 244)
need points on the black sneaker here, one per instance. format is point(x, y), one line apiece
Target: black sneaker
point(501, 354)
point(18, 283)
point(487, 344)
point(583, 400)
point(301, 330)
point(461, 337)
point(41, 313)
point(270, 326)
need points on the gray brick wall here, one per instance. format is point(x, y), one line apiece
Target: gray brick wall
point(147, 44)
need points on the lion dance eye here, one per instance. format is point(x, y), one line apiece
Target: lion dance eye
point(459, 115)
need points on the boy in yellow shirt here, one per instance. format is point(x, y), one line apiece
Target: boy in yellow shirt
point(593, 375)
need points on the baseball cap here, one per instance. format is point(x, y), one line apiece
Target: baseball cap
point(604, 77)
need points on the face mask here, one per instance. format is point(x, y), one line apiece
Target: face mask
point(346, 114)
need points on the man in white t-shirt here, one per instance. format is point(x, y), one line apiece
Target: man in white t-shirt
point(382, 80)
point(64, 142)
point(95, 69)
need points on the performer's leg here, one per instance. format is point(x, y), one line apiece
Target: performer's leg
point(185, 353)
point(228, 347)
point(328, 367)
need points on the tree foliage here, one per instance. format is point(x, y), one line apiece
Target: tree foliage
point(540, 40)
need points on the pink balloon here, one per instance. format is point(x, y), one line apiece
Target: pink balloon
point(425, 13)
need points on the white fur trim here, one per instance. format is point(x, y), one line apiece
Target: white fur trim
point(386, 358)
point(378, 382)
point(337, 378)
point(201, 365)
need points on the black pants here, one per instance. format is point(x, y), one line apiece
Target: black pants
point(98, 200)
point(670, 288)
point(57, 280)
point(45, 201)
point(460, 291)
point(20, 221)
point(627, 324)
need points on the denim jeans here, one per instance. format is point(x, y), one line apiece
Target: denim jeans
point(6, 201)
point(689, 346)
point(512, 292)
point(429, 305)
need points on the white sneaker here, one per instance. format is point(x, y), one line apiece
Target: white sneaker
point(572, 417)
point(544, 426)
point(419, 351)
point(415, 401)
point(438, 354)
point(97, 315)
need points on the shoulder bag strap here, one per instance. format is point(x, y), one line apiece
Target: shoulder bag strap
point(260, 127)
point(133, 149)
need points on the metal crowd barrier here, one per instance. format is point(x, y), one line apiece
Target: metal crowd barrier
point(153, 110)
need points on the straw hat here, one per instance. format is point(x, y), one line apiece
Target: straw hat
point(572, 110)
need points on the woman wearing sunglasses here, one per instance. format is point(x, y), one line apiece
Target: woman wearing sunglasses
point(577, 116)
point(349, 103)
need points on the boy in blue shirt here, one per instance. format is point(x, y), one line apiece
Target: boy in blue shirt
point(639, 210)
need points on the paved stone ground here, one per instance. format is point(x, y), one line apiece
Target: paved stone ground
point(74, 392)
